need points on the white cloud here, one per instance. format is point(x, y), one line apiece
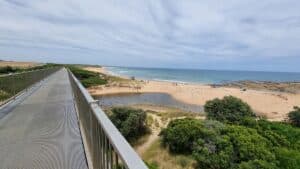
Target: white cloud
point(193, 33)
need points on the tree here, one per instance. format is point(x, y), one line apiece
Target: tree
point(294, 116)
point(130, 122)
point(229, 110)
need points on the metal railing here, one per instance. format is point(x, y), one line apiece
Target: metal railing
point(107, 148)
point(12, 84)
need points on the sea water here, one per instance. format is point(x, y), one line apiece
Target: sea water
point(203, 76)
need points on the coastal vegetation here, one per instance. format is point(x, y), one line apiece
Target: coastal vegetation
point(234, 141)
point(88, 78)
point(228, 110)
point(239, 141)
point(294, 116)
point(15, 83)
point(130, 122)
point(232, 136)
point(10, 69)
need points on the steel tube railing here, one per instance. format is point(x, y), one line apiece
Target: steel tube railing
point(12, 84)
point(108, 149)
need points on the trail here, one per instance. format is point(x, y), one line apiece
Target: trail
point(153, 136)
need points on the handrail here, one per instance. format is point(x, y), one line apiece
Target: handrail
point(108, 148)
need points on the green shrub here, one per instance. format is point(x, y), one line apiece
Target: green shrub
point(280, 134)
point(257, 164)
point(130, 122)
point(235, 144)
point(262, 144)
point(241, 142)
point(294, 116)
point(181, 134)
point(215, 152)
point(86, 77)
point(229, 110)
point(248, 144)
point(288, 158)
point(7, 69)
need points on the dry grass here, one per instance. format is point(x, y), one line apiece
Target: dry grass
point(157, 154)
point(19, 64)
point(166, 114)
point(141, 140)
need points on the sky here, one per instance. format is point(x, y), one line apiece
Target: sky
point(197, 34)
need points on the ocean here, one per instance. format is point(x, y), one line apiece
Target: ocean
point(203, 76)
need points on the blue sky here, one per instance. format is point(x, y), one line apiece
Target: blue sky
point(202, 34)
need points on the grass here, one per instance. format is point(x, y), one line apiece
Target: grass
point(159, 156)
point(4, 95)
point(15, 83)
point(149, 120)
point(88, 78)
point(141, 140)
point(11, 69)
point(171, 113)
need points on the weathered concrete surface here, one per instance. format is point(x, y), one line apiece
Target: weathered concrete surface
point(42, 132)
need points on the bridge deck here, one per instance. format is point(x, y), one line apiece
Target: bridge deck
point(42, 132)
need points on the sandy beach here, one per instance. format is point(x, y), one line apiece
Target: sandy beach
point(271, 104)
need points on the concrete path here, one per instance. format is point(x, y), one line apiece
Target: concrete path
point(42, 132)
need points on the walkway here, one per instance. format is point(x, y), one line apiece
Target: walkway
point(42, 132)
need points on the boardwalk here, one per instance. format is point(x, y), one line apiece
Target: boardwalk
point(42, 131)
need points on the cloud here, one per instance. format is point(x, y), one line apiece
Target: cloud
point(213, 34)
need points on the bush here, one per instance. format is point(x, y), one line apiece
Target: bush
point(229, 110)
point(7, 69)
point(216, 153)
point(130, 122)
point(294, 116)
point(248, 144)
point(181, 134)
point(242, 142)
point(88, 78)
point(235, 145)
point(213, 144)
point(258, 164)
point(288, 158)
point(280, 134)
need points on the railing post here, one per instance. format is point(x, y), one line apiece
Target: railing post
point(91, 134)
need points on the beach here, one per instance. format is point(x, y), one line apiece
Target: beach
point(273, 105)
